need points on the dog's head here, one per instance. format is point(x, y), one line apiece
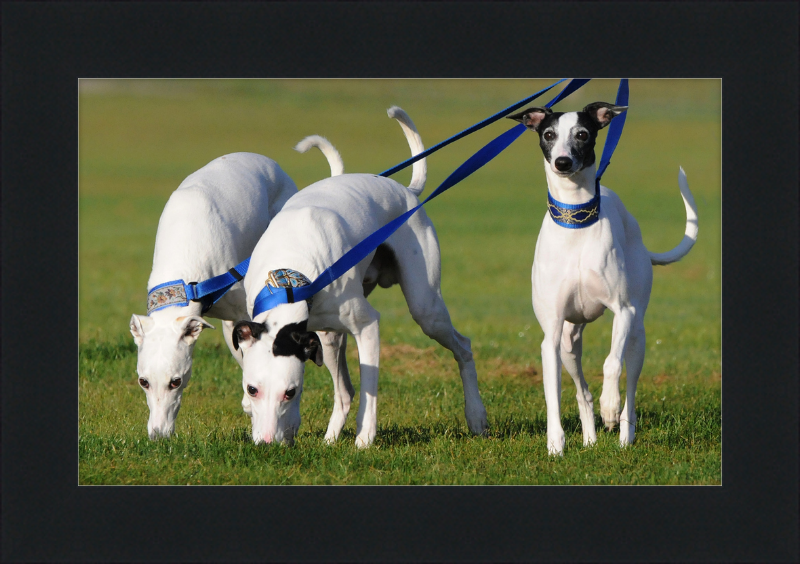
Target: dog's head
point(274, 355)
point(165, 341)
point(567, 139)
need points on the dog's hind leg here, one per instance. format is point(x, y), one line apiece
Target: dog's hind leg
point(417, 265)
point(432, 316)
point(334, 347)
point(612, 368)
point(634, 360)
point(571, 349)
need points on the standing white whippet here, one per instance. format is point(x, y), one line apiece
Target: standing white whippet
point(314, 229)
point(210, 223)
point(589, 259)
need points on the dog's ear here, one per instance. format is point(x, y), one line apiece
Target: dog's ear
point(532, 117)
point(246, 333)
point(190, 327)
point(140, 324)
point(602, 113)
point(311, 345)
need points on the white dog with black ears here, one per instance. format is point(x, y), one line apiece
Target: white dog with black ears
point(211, 223)
point(314, 229)
point(590, 257)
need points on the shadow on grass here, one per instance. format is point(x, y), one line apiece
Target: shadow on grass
point(418, 434)
point(684, 427)
point(500, 429)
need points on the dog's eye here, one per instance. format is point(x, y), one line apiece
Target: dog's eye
point(549, 135)
point(174, 384)
point(582, 135)
point(252, 391)
point(144, 383)
point(289, 394)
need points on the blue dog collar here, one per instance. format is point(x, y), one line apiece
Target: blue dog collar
point(279, 289)
point(173, 293)
point(575, 216)
point(208, 292)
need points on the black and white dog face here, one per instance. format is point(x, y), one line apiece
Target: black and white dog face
point(567, 139)
point(274, 356)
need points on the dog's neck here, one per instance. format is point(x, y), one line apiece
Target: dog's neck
point(577, 188)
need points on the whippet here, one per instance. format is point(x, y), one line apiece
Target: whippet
point(578, 273)
point(314, 229)
point(210, 223)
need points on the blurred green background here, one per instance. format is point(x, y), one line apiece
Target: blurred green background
point(140, 138)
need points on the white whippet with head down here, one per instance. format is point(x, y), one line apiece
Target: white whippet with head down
point(314, 229)
point(579, 272)
point(211, 223)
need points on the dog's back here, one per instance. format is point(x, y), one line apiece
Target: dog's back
point(323, 221)
point(215, 217)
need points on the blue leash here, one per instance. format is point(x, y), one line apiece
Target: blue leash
point(614, 130)
point(208, 292)
point(270, 297)
point(474, 128)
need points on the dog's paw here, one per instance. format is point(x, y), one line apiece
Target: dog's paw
point(363, 442)
point(555, 444)
point(609, 411)
point(335, 426)
point(610, 421)
point(477, 422)
point(627, 433)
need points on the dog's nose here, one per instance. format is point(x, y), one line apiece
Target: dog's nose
point(563, 164)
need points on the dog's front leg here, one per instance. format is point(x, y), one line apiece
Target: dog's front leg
point(571, 350)
point(367, 337)
point(334, 347)
point(551, 377)
point(612, 367)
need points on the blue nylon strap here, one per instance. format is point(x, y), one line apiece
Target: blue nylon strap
point(221, 282)
point(208, 292)
point(614, 129)
point(573, 85)
point(269, 297)
point(474, 128)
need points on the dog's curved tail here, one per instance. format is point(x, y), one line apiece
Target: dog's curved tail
point(327, 148)
point(419, 172)
point(690, 236)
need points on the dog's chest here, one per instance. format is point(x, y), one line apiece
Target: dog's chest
point(582, 296)
point(569, 273)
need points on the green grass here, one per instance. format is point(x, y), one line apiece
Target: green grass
point(139, 139)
